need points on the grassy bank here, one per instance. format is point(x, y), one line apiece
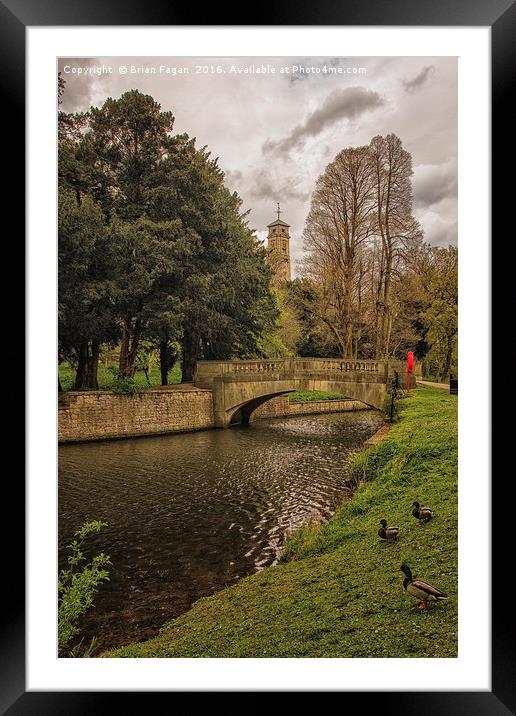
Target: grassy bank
point(340, 592)
point(107, 372)
point(300, 396)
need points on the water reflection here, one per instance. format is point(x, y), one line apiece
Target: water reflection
point(189, 514)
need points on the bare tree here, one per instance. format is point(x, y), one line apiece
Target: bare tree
point(342, 219)
point(396, 226)
point(361, 241)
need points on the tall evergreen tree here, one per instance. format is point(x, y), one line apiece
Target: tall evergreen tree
point(86, 289)
point(183, 266)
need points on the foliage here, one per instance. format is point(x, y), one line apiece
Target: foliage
point(340, 594)
point(271, 346)
point(77, 585)
point(439, 319)
point(124, 385)
point(316, 339)
point(86, 293)
point(283, 340)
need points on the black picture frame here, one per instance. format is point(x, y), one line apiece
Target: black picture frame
point(15, 16)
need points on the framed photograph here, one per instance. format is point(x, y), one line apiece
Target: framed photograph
point(259, 256)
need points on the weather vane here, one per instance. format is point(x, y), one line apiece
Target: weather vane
point(278, 210)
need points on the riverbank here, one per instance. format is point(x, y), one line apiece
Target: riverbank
point(339, 593)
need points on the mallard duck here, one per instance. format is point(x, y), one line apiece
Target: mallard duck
point(422, 513)
point(421, 590)
point(388, 533)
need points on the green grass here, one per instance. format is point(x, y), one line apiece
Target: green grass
point(106, 376)
point(340, 594)
point(301, 396)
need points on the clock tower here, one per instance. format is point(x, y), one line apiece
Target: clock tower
point(278, 243)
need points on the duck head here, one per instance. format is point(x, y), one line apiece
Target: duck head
point(416, 505)
point(406, 571)
point(383, 523)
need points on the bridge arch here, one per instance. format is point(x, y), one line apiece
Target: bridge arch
point(242, 413)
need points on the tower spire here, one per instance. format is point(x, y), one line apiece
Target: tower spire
point(278, 210)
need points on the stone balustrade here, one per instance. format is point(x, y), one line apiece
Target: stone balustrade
point(209, 370)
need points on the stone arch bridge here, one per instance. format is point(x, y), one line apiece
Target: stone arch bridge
point(241, 386)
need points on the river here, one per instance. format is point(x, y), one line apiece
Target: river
point(189, 514)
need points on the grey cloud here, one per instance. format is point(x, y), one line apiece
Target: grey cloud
point(234, 176)
point(264, 186)
point(439, 230)
point(341, 104)
point(419, 80)
point(433, 183)
point(300, 76)
point(79, 90)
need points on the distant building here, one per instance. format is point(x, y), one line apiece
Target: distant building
point(278, 243)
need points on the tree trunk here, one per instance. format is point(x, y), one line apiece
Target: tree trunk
point(379, 314)
point(386, 299)
point(164, 360)
point(87, 365)
point(448, 360)
point(190, 354)
point(348, 339)
point(348, 305)
point(129, 347)
point(93, 364)
point(388, 335)
point(135, 344)
point(124, 348)
point(81, 375)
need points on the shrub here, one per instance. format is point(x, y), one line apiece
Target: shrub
point(76, 589)
point(124, 386)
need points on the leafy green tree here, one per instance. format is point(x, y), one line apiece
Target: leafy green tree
point(283, 340)
point(129, 148)
point(319, 338)
point(225, 289)
point(126, 140)
point(440, 318)
point(184, 268)
point(145, 252)
point(86, 293)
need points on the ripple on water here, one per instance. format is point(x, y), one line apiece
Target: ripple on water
point(188, 514)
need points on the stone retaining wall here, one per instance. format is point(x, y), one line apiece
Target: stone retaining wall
point(281, 407)
point(101, 415)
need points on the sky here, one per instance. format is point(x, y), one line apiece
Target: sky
point(275, 123)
